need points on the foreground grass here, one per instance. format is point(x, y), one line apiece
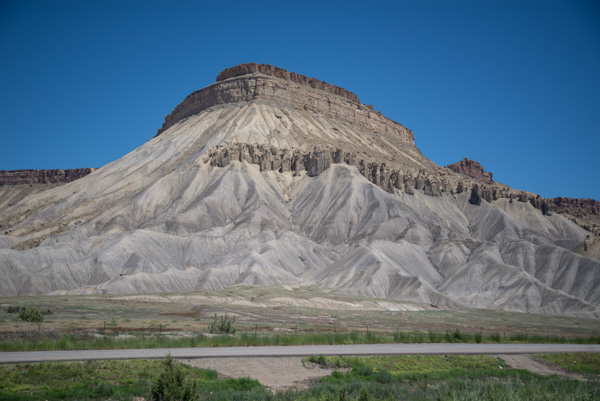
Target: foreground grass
point(436, 377)
point(100, 380)
point(51, 342)
point(452, 377)
point(588, 363)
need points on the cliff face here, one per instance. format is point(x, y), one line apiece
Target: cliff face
point(259, 83)
point(382, 174)
point(576, 207)
point(277, 72)
point(18, 177)
point(472, 169)
point(584, 212)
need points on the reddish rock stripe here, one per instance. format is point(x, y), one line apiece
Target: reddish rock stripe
point(472, 169)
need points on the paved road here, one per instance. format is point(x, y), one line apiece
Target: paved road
point(298, 350)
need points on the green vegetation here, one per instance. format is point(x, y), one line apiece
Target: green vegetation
point(222, 324)
point(439, 377)
point(13, 309)
point(435, 377)
point(48, 341)
point(31, 315)
point(577, 362)
point(172, 384)
point(120, 380)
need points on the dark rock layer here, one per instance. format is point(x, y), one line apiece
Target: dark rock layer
point(19, 177)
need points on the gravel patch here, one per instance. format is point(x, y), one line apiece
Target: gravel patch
point(277, 373)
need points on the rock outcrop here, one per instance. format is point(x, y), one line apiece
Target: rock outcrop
point(380, 173)
point(296, 92)
point(576, 207)
point(584, 212)
point(19, 177)
point(267, 69)
point(472, 169)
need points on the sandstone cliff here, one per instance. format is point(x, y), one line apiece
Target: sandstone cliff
point(18, 177)
point(584, 212)
point(472, 169)
point(260, 83)
point(266, 69)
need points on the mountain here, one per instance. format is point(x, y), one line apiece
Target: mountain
point(270, 177)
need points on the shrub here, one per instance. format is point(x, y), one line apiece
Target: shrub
point(172, 385)
point(364, 395)
point(13, 309)
point(31, 315)
point(222, 324)
point(104, 389)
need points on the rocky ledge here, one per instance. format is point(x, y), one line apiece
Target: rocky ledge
point(379, 173)
point(19, 177)
point(472, 169)
point(267, 69)
point(576, 207)
point(260, 83)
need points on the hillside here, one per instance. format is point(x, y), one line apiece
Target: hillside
point(269, 177)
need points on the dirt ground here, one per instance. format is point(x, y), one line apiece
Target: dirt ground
point(281, 373)
point(528, 362)
point(274, 373)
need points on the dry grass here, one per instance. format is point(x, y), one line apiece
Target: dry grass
point(280, 309)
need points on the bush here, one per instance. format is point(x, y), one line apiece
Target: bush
point(172, 385)
point(31, 315)
point(222, 324)
point(13, 309)
point(104, 389)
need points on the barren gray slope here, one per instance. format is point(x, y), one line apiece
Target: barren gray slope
point(162, 218)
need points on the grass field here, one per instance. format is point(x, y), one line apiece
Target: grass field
point(282, 310)
point(438, 377)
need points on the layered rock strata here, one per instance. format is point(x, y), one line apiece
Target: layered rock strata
point(472, 169)
point(19, 177)
point(267, 69)
point(584, 212)
point(381, 174)
point(297, 92)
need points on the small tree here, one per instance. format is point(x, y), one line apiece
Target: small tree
point(31, 315)
point(172, 385)
point(222, 324)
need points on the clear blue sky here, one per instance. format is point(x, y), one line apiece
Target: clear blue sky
point(514, 85)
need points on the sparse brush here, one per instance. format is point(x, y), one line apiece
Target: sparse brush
point(172, 385)
point(222, 324)
point(31, 315)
